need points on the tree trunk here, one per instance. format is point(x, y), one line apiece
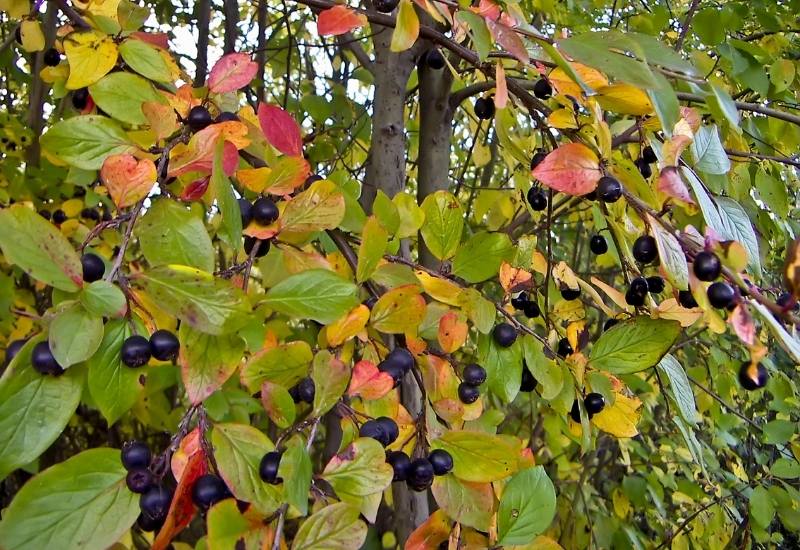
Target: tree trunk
point(39, 88)
point(203, 16)
point(261, 52)
point(230, 10)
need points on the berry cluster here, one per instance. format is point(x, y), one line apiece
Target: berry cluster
point(397, 364)
point(644, 162)
point(155, 497)
point(263, 211)
point(137, 350)
point(524, 303)
point(593, 403)
point(418, 473)
point(469, 388)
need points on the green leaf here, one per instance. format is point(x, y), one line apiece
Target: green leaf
point(104, 299)
point(789, 343)
point(196, 297)
point(321, 206)
point(481, 312)
point(444, 222)
point(673, 259)
point(145, 59)
point(480, 257)
point(238, 450)
point(709, 155)
point(335, 526)
point(386, 212)
point(737, 227)
point(503, 366)
point(221, 188)
point(478, 457)
point(227, 527)
point(373, 244)
point(723, 102)
point(762, 509)
point(278, 404)
point(478, 31)
point(606, 51)
point(170, 233)
point(121, 95)
point(471, 504)
point(39, 249)
point(778, 431)
point(34, 409)
point(86, 141)
point(296, 471)
point(285, 364)
point(331, 377)
point(114, 387)
point(359, 470)
point(75, 334)
point(316, 294)
point(665, 103)
point(680, 387)
point(547, 372)
point(207, 361)
point(773, 192)
point(634, 345)
point(786, 468)
point(80, 504)
point(527, 507)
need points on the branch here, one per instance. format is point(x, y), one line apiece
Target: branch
point(745, 106)
point(349, 42)
point(686, 23)
point(76, 18)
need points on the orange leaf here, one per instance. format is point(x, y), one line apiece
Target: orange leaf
point(231, 72)
point(513, 278)
point(573, 168)
point(452, 332)
point(339, 20)
point(433, 532)
point(348, 326)
point(368, 382)
point(286, 175)
point(189, 446)
point(198, 155)
point(181, 510)
point(128, 180)
point(161, 117)
point(501, 89)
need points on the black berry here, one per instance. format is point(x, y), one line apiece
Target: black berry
point(155, 502)
point(401, 464)
point(389, 427)
point(564, 348)
point(648, 155)
point(93, 267)
point(528, 382)
point(645, 250)
point(504, 334)
point(250, 242)
point(385, 6)
point(245, 207)
point(598, 245)
point(434, 59)
point(208, 490)
point(135, 455)
point(753, 378)
point(474, 374)
point(575, 412)
point(268, 468)
point(90, 214)
point(402, 358)
point(610, 323)
point(164, 345)
point(12, 350)
point(468, 393)
point(51, 57)
point(148, 524)
point(43, 360)
point(639, 286)
point(609, 189)
point(227, 116)
point(686, 299)
point(59, 217)
point(655, 284)
point(786, 301)
point(392, 369)
point(441, 461)
point(594, 403)
point(706, 266)
point(634, 299)
point(198, 118)
point(537, 158)
point(139, 480)
point(306, 390)
point(532, 310)
point(721, 294)
point(484, 108)
point(264, 211)
point(420, 474)
point(375, 430)
point(644, 168)
point(135, 351)
point(520, 300)
point(80, 98)
point(542, 89)
point(570, 294)
point(44, 213)
point(537, 199)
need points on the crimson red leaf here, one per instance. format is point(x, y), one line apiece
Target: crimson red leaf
point(195, 190)
point(232, 72)
point(339, 20)
point(280, 129)
point(182, 510)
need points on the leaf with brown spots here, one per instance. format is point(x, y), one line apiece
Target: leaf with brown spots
point(399, 311)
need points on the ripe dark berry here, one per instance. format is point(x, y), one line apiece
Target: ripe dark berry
point(370, 302)
point(400, 463)
point(51, 57)
point(504, 334)
point(164, 345)
point(389, 427)
point(570, 294)
point(520, 300)
point(135, 351)
point(420, 474)
point(644, 168)
point(44, 213)
point(250, 242)
point(374, 430)
point(18, 34)
point(139, 480)
point(594, 403)
point(609, 189)
point(441, 461)
point(474, 374)
point(245, 207)
point(385, 6)
point(402, 358)
point(12, 350)
point(753, 378)
point(610, 323)
point(198, 118)
point(155, 502)
point(575, 412)
point(639, 286)
point(532, 310)
point(434, 59)
point(721, 294)
point(90, 214)
point(484, 108)
point(537, 158)
point(655, 284)
point(598, 245)
point(59, 217)
point(706, 266)
point(468, 393)
point(306, 390)
point(686, 299)
point(208, 490)
point(80, 98)
point(564, 348)
point(542, 89)
point(785, 300)
point(264, 211)
point(537, 199)
point(148, 524)
point(268, 468)
point(648, 155)
point(135, 455)
point(645, 250)
point(93, 267)
point(528, 382)
point(392, 369)
point(43, 360)
point(227, 116)
point(634, 299)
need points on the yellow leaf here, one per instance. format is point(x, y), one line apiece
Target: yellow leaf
point(617, 296)
point(541, 542)
point(104, 8)
point(513, 278)
point(407, 28)
point(254, 179)
point(161, 117)
point(619, 419)
point(440, 289)
point(564, 275)
point(624, 99)
point(564, 85)
point(348, 326)
point(91, 55)
point(32, 36)
point(622, 506)
point(15, 9)
point(670, 309)
point(562, 119)
point(399, 311)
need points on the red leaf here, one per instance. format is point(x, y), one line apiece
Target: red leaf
point(181, 511)
point(487, 9)
point(572, 168)
point(339, 20)
point(509, 40)
point(280, 129)
point(743, 325)
point(160, 39)
point(195, 190)
point(670, 183)
point(232, 72)
point(368, 382)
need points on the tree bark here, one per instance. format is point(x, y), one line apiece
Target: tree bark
point(203, 16)
point(230, 10)
point(261, 52)
point(35, 118)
